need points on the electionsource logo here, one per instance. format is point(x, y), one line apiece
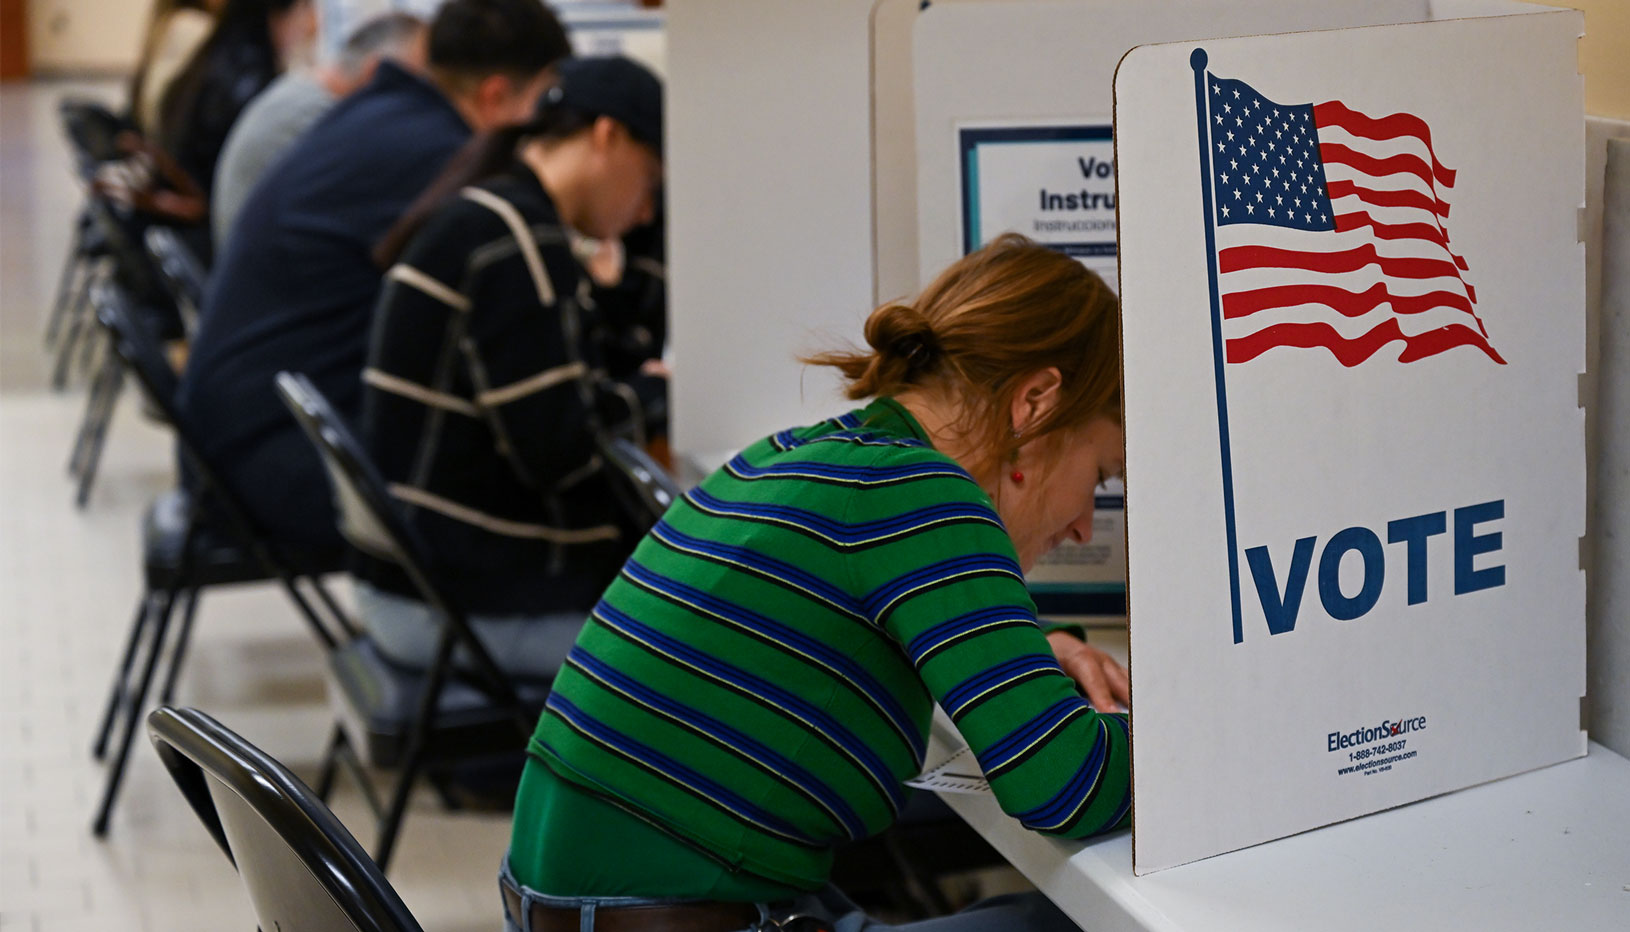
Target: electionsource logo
point(1340, 740)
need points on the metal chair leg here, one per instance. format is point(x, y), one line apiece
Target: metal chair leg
point(112, 381)
point(391, 825)
point(73, 269)
point(93, 406)
point(120, 679)
point(341, 619)
point(331, 763)
point(178, 653)
point(65, 350)
point(135, 703)
point(93, 344)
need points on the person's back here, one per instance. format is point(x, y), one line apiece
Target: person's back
point(293, 103)
point(756, 685)
point(250, 45)
point(296, 287)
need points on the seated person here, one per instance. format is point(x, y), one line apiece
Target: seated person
point(297, 284)
point(175, 29)
point(485, 391)
point(756, 685)
point(297, 99)
point(251, 43)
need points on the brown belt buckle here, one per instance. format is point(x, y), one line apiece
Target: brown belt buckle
point(793, 922)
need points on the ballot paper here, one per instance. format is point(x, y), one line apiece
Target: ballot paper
point(959, 773)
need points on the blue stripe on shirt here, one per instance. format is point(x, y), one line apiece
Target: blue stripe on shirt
point(814, 718)
point(671, 769)
point(761, 755)
point(835, 662)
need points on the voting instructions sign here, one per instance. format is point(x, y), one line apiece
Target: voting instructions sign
point(1053, 182)
point(1353, 333)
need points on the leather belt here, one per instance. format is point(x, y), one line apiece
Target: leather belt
point(669, 917)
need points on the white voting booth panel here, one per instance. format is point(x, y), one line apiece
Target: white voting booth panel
point(1352, 418)
point(1044, 64)
point(1026, 145)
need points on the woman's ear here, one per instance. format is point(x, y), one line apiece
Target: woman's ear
point(1037, 396)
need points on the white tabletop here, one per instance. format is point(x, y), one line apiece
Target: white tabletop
point(1547, 850)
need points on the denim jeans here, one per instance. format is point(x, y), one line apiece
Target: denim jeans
point(1019, 912)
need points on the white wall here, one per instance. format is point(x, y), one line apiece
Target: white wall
point(85, 35)
point(769, 209)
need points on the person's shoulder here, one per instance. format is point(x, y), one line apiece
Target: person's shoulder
point(868, 456)
point(292, 89)
point(461, 224)
point(289, 96)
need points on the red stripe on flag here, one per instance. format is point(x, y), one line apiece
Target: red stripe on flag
point(1240, 258)
point(1402, 164)
point(1347, 303)
point(1352, 352)
point(1388, 198)
point(1397, 231)
point(1335, 113)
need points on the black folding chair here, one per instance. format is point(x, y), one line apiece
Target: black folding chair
point(158, 302)
point(408, 720)
point(188, 544)
point(300, 866)
point(92, 131)
point(643, 486)
point(180, 272)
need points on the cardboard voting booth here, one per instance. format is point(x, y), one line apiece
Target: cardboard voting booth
point(1355, 482)
point(1352, 290)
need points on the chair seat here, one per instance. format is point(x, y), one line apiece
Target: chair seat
point(217, 558)
point(377, 699)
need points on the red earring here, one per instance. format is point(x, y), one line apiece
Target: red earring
point(1017, 476)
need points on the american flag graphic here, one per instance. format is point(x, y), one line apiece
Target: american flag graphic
point(1331, 231)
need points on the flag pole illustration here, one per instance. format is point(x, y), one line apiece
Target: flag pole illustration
point(1325, 231)
point(1197, 60)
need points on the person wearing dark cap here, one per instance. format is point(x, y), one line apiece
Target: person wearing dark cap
point(484, 388)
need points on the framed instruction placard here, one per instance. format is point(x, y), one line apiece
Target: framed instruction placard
point(1055, 183)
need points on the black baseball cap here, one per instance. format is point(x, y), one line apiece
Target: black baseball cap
point(612, 86)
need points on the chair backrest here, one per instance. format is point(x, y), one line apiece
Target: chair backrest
point(139, 350)
point(373, 522)
point(644, 486)
point(368, 517)
point(121, 237)
point(301, 867)
point(93, 131)
point(179, 270)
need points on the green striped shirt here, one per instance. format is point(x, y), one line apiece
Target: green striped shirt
point(760, 677)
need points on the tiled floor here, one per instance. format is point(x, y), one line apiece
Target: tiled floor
point(68, 583)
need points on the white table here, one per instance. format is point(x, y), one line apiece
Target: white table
point(1547, 850)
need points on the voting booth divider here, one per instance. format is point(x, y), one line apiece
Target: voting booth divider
point(1353, 319)
point(1354, 441)
point(1360, 290)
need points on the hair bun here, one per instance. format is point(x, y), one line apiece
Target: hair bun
point(902, 332)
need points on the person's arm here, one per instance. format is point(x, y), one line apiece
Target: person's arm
point(949, 589)
point(165, 191)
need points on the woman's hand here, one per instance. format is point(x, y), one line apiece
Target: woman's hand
point(1102, 678)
